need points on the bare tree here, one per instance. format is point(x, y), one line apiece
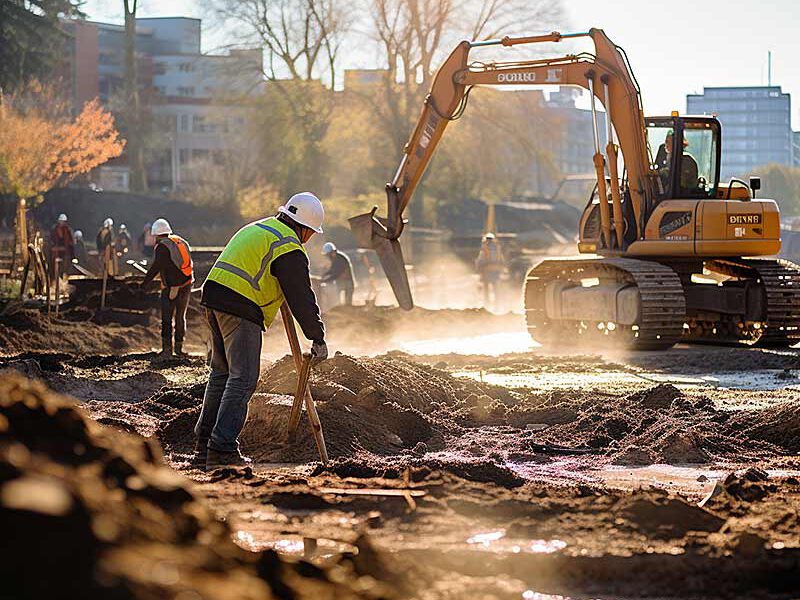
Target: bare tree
point(415, 35)
point(301, 41)
point(132, 111)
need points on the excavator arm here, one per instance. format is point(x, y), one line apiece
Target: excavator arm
point(609, 80)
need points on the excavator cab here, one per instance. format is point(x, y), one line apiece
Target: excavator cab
point(685, 153)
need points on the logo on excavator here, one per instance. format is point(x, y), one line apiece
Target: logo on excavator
point(744, 219)
point(553, 75)
point(516, 77)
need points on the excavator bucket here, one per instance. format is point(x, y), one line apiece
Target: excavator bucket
point(371, 233)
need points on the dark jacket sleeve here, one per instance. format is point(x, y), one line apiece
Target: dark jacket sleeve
point(291, 271)
point(334, 271)
point(159, 263)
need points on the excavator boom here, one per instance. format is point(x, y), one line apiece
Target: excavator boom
point(605, 74)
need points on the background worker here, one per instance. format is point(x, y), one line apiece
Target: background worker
point(490, 265)
point(262, 264)
point(339, 273)
point(80, 250)
point(173, 264)
point(105, 246)
point(147, 241)
point(62, 244)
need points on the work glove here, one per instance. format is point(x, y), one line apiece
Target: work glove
point(319, 352)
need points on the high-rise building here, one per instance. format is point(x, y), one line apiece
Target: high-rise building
point(756, 126)
point(187, 93)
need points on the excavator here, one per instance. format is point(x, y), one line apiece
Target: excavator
point(670, 253)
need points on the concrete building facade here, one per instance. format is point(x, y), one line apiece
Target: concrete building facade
point(756, 126)
point(192, 97)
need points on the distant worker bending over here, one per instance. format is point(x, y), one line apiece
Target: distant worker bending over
point(339, 273)
point(262, 264)
point(173, 264)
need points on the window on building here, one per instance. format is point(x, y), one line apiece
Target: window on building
point(186, 67)
point(200, 125)
point(200, 155)
point(183, 156)
point(183, 123)
point(160, 68)
point(185, 90)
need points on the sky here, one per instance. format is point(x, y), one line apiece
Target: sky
point(675, 48)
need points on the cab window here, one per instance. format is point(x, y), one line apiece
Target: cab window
point(698, 175)
point(659, 138)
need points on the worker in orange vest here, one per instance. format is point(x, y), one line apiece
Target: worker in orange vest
point(173, 264)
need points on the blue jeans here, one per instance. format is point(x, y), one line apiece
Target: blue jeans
point(235, 364)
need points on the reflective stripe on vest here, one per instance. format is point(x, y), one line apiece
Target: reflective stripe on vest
point(179, 253)
point(244, 265)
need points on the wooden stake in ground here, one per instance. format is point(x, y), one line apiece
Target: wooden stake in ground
point(105, 278)
point(57, 270)
point(311, 408)
point(303, 391)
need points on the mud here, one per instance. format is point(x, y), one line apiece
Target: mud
point(511, 492)
point(31, 330)
point(93, 513)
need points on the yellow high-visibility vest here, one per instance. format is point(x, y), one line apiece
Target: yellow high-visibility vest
point(244, 265)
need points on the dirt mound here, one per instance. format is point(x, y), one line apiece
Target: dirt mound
point(779, 425)
point(389, 379)
point(96, 514)
point(382, 406)
point(659, 425)
point(31, 330)
point(479, 470)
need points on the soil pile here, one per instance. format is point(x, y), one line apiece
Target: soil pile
point(94, 513)
point(369, 408)
point(662, 425)
point(32, 330)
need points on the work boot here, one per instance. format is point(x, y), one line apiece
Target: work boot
point(200, 453)
point(166, 349)
point(217, 459)
point(179, 350)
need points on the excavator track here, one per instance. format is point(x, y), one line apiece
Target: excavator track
point(780, 325)
point(662, 309)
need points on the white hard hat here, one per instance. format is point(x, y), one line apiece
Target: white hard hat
point(62, 218)
point(306, 209)
point(328, 248)
point(160, 227)
point(108, 223)
point(78, 234)
point(123, 227)
point(489, 236)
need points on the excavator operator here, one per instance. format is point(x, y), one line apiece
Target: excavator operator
point(663, 164)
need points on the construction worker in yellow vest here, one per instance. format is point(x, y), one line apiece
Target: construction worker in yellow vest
point(262, 265)
point(172, 262)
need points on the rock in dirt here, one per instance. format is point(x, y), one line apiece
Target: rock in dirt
point(94, 513)
point(667, 517)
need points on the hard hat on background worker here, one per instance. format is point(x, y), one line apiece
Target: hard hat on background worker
point(78, 234)
point(123, 227)
point(62, 218)
point(160, 227)
point(328, 248)
point(108, 222)
point(489, 236)
point(305, 209)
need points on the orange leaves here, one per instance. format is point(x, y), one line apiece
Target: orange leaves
point(41, 147)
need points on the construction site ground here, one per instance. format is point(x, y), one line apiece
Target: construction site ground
point(467, 461)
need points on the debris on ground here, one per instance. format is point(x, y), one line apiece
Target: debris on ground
point(116, 521)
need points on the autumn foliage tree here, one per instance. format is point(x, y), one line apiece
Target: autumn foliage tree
point(42, 146)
